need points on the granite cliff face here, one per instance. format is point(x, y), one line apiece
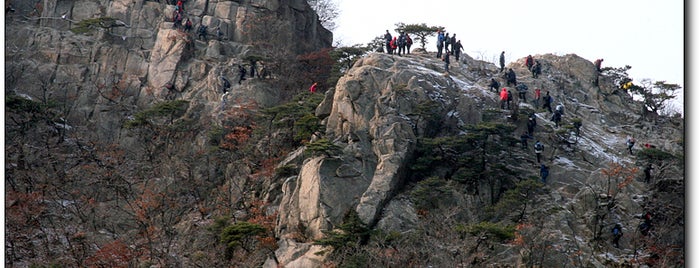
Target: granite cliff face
point(162, 191)
point(374, 114)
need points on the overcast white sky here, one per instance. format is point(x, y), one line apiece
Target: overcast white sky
point(646, 34)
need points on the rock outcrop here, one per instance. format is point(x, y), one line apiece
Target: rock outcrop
point(375, 116)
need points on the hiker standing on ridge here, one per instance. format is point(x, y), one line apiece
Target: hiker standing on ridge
point(408, 42)
point(457, 48)
point(598, 64)
point(440, 43)
point(502, 61)
point(529, 61)
point(452, 41)
point(387, 37)
point(401, 43)
point(447, 41)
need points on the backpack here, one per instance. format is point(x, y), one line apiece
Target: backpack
point(410, 40)
point(616, 231)
point(539, 146)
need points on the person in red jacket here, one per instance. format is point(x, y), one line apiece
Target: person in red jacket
point(314, 87)
point(394, 44)
point(503, 98)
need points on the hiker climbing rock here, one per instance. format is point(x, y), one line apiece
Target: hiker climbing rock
point(547, 102)
point(598, 64)
point(313, 87)
point(531, 123)
point(511, 77)
point(536, 69)
point(544, 172)
point(529, 61)
point(202, 32)
point(503, 98)
point(556, 118)
point(523, 139)
point(537, 97)
point(225, 84)
point(522, 92)
point(241, 73)
point(446, 61)
point(494, 84)
point(617, 233)
point(630, 141)
point(646, 173)
point(538, 149)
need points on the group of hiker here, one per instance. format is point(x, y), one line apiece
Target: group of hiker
point(398, 44)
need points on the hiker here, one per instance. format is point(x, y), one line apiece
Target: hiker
point(646, 172)
point(387, 37)
point(452, 41)
point(177, 19)
point(502, 61)
point(313, 87)
point(440, 43)
point(511, 77)
point(253, 67)
point(457, 48)
point(509, 98)
point(226, 84)
point(577, 124)
point(188, 25)
point(598, 64)
point(494, 84)
point(646, 225)
point(616, 234)
point(556, 118)
point(408, 42)
point(529, 61)
point(536, 69)
point(241, 73)
point(547, 101)
point(219, 34)
point(544, 172)
point(503, 98)
point(394, 44)
point(446, 42)
point(523, 138)
point(538, 149)
point(537, 97)
point(522, 92)
point(446, 61)
point(401, 43)
point(202, 32)
point(630, 141)
point(180, 5)
point(559, 108)
point(531, 123)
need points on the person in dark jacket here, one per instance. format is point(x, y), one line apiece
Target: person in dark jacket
point(457, 48)
point(531, 123)
point(538, 150)
point(225, 84)
point(523, 139)
point(202, 32)
point(522, 92)
point(446, 61)
point(502, 61)
point(617, 233)
point(387, 38)
point(544, 172)
point(494, 84)
point(556, 118)
point(529, 61)
point(511, 77)
point(241, 73)
point(401, 43)
point(547, 102)
point(646, 172)
point(536, 69)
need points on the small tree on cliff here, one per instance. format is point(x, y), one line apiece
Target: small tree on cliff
point(327, 12)
point(420, 31)
point(656, 95)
